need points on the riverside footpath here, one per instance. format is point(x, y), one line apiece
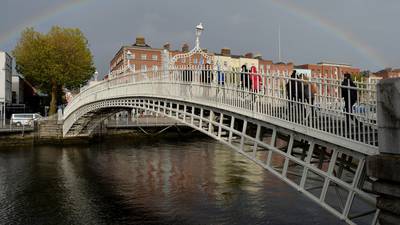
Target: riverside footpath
point(49, 131)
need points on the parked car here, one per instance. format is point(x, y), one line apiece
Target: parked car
point(24, 119)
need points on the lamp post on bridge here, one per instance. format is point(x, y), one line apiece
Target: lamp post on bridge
point(199, 30)
point(196, 50)
point(96, 76)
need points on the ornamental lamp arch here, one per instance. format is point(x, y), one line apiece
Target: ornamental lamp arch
point(195, 57)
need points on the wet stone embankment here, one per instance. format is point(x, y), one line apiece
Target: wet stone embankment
point(50, 132)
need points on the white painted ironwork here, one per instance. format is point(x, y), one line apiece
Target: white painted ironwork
point(194, 51)
point(328, 174)
point(325, 142)
point(323, 121)
point(322, 115)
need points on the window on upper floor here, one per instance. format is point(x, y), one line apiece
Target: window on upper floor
point(154, 57)
point(155, 68)
point(143, 56)
point(143, 68)
point(130, 55)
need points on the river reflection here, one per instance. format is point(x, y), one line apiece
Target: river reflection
point(165, 181)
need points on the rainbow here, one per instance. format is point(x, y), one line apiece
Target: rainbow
point(40, 18)
point(368, 52)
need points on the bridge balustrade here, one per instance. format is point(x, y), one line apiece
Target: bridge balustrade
point(314, 103)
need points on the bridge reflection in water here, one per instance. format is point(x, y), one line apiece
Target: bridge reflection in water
point(148, 181)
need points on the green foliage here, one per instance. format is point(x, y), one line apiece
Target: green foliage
point(357, 77)
point(59, 58)
point(365, 73)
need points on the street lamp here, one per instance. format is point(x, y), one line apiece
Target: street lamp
point(96, 75)
point(199, 29)
point(129, 57)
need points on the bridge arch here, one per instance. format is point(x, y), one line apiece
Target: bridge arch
point(311, 143)
point(319, 169)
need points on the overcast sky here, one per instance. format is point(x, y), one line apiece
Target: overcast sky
point(364, 33)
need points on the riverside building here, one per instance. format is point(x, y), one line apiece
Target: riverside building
point(141, 57)
point(5, 84)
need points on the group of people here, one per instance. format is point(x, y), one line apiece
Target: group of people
point(250, 79)
point(298, 88)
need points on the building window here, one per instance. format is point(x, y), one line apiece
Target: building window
point(195, 61)
point(130, 55)
point(144, 68)
point(154, 57)
point(143, 56)
point(14, 97)
point(155, 68)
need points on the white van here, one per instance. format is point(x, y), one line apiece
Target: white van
point(24, 119)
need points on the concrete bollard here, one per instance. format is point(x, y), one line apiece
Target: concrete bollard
point(386, 165)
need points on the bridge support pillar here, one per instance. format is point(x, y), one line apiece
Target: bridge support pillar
point(386, 166)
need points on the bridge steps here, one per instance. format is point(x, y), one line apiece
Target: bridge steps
point(49, 129)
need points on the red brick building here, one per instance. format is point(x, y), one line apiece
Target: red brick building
point(388, 73)
point(140, 57)
point(329, 70)
point(267, 66)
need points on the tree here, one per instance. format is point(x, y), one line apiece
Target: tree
point(60, 58)
point(357, 77)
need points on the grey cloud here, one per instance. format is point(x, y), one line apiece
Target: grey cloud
point(241, 25)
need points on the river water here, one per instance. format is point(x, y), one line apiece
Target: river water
point(150, 181)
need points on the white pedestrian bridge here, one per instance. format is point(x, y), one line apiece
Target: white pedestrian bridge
point(298, 128)
point(311, 143)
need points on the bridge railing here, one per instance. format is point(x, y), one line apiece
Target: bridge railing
point(342, 108)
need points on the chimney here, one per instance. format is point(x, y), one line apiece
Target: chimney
point(167, 46)
point(226, 52)
point(248, 55)
point(140, 41)
point(258, 56)
point(185, 47)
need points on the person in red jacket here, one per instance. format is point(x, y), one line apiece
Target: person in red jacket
point(255, 79)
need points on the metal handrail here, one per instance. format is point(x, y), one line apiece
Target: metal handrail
point(321, 109)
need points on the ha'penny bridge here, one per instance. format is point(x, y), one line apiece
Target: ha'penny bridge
point(309, 141)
